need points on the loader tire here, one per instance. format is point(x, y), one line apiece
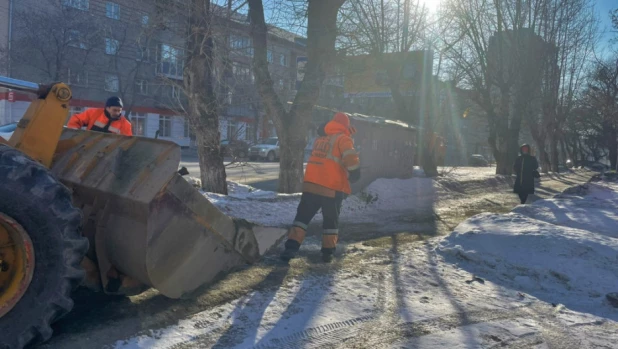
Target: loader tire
point(42, 206)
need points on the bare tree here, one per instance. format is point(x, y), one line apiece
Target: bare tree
point(202, 100)
point(201, 29)
point(499, 56)
point(570, 27)
point(385, 32)
point(292, 124)
point(52, 41)
point(602, 99)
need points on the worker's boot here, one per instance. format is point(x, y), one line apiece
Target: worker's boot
point(327, 257)
point(291, 250)
point(327, 254)
point(292, 245)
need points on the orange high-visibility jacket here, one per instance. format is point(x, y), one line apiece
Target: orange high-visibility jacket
point(96, 120)
point(331, 158)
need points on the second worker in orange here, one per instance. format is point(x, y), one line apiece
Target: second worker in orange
point(333, 164)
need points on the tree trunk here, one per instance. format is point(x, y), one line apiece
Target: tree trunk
point(563, 150)
point(543, 158)
point(292, 126)
point(212, 170)
point(555, 155)
point(612, 144)
point(291, 169)
point(504, 142)
point(202, 100)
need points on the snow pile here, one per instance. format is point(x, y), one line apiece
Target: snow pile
point(382, 199)
point(562, 250)
point(460, 291)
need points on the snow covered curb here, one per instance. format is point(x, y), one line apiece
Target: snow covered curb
point(562, 250)
point(382, 199)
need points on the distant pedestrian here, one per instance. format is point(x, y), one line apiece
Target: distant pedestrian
point(332, 166)
point(525, 168)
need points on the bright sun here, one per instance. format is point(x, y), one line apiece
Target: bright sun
point(432, 5)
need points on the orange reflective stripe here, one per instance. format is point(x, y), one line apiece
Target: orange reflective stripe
point(297, 234)
point(330, 155)
point(99, 123)
point(300, 225)
point(348, 152)
point(325, 166)
point(113, 129)
point(331, 231)
point(329, 241)
point(353, 167)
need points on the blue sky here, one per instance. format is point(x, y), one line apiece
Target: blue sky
point(603, 7)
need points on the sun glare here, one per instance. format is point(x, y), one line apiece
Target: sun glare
point(432, 5)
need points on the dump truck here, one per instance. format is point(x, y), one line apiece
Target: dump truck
point(104, 211)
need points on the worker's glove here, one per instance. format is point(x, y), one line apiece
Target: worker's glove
point(354, 175)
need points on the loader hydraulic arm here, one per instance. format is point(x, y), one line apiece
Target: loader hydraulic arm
point(39, 130)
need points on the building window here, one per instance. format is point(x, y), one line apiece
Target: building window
point(249, 131)
point(77, 78)
point(112, 84)
point(175, 92)
point(242, 72)
point(283, 60)
point(145, 20)
point(232, 131)
point(138, 123)
point(165, 126)
point(112, 10)
point(75, 39)
point(111, 46)
point(241, 44)
point(269, 56)
point(142, 53)
point(187, 129)
point(171, 61)
point(78, 4)
point(141, 87)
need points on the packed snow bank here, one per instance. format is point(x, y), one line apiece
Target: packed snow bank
point(592, 207)
point(382, 199)
point(561, 250)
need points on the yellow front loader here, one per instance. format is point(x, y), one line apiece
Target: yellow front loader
point(101, 210)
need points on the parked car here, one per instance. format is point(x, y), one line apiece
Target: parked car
point(236, 149)
point(478, 160)
point(7, 130)
point(265, 149)
point(593, 165)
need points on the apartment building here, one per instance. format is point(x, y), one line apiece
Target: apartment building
point(136, 50)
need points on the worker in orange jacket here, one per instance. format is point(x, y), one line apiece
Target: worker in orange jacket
point(333, 164)
point(108, 119)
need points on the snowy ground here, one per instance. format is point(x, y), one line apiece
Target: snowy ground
point(536, 277)
point(382, 200)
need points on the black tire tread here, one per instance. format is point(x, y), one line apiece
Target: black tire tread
point(44, 186)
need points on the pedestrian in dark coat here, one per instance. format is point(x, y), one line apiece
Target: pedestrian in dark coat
point(525, 168)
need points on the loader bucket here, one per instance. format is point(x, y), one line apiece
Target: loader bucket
point(146, 221)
